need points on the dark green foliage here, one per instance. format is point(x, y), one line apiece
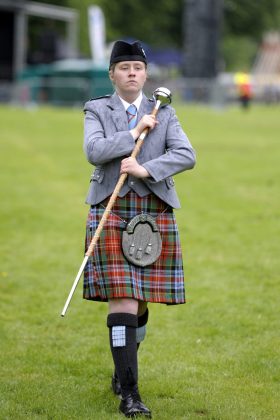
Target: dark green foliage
point(251, 18)
point(160, 24)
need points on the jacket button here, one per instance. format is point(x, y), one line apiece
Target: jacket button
point(132, 183)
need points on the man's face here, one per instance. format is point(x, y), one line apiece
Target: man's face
point(128, 77)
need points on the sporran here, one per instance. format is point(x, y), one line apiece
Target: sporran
point(141, 241)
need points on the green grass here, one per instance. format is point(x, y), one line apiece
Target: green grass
point(217, 357)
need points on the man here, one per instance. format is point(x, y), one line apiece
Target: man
point(116, 273)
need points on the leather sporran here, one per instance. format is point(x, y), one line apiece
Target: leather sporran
point(141, 241)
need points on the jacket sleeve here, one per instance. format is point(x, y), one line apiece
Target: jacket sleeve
point(179, 155)
point(101, 147)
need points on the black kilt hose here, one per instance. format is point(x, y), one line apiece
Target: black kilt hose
point(109, 275)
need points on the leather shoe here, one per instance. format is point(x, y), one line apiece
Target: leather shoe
point(132, 406)
point(116, 386)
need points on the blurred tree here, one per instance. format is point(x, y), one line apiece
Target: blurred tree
point(160, 23)
point(157, 23)
point(251, 18)
point(238, 52)
point(244, 25)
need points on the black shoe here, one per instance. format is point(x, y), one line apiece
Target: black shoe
point(132, 406)
point(116, 386)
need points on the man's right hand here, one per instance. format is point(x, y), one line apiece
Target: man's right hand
point(147, 120)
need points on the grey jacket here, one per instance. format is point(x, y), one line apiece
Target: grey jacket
point(165, 152)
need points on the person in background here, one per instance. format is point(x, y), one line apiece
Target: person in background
point(244, 89)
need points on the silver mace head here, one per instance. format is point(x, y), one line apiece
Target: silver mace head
point(163, 95)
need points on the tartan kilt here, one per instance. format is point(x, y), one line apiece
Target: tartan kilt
point(109, 275)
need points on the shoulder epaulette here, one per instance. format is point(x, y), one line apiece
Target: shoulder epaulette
point(100, 97)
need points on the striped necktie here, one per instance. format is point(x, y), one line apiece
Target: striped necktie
point(131, 116)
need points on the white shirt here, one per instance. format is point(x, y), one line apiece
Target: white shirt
point(137, 102)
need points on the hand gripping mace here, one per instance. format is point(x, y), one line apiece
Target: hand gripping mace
point(162, 97)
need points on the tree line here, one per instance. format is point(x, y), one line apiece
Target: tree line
point(161, 23)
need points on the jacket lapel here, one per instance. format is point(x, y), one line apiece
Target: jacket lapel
point(146, 107)
point(118, 112)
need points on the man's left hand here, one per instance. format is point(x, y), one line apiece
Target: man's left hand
point(131, 166)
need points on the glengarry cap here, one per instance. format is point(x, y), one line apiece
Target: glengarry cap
point(124, 51)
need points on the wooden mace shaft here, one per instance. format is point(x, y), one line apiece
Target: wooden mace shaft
point(107, 211)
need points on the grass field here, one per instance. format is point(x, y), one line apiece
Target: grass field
point(217, 357)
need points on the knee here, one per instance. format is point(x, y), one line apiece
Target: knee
point(129, 306)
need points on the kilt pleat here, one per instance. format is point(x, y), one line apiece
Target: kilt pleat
point(109, 275)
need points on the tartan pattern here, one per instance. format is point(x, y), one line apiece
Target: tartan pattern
point(109, 275)
point(131, 116)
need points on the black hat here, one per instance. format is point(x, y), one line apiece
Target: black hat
point(123, 51)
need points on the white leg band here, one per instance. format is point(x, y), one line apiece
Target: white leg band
point(118, 336)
